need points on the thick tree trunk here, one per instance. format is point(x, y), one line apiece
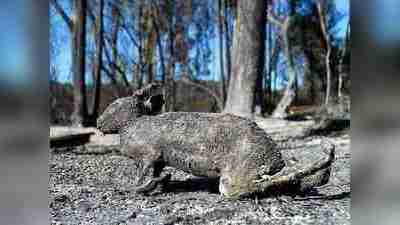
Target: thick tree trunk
point(289, 94)
point(221, 51)
point(248, 57)
point(98, 63)
point(79, 115)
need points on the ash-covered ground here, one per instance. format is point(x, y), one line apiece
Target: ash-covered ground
point(90, 185)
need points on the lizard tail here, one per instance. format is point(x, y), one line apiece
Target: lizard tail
point(317, 174)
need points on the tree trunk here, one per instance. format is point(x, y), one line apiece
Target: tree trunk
point(286, 100)
point(340, 85)
point(296, 90)
point(288, 96)
point(269, 72)
point(259, 96)
point(139, 75)
point(161, 53)
point(273, 64)
point(227, 46)
point(342, 70)
point(150, 51)
point(221, 51)
point(170, 92)
point(248, 57)
point(158, 40)
point(310, 79)
point(328, 76)
point(275, 80)
point(79, 115)
point(328, 51)
point(98, 64)
point(114, 44)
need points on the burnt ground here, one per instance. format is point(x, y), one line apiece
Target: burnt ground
point(89, 187)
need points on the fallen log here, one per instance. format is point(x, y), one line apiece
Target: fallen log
point(69, 140)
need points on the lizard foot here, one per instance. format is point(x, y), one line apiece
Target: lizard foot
point(152, 184)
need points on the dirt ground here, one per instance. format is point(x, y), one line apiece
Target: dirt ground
point(89, 187)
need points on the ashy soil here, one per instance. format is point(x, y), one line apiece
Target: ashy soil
point(93, 185)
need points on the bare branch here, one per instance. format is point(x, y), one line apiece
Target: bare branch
point(63, 14)
point(131, 37)
point(116, 66)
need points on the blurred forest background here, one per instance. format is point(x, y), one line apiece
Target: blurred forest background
point(263, 57)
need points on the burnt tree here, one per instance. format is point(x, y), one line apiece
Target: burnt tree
point(80, 114)
point(247, 58)
point(221, 51)
point(97, 64)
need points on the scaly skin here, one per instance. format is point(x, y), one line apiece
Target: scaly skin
point(213, 145)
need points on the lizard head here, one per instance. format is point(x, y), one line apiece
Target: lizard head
point(145, 101)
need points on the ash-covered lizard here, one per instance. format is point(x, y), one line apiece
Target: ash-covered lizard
point(215, 145)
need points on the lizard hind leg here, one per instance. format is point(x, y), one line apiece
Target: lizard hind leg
point(150, 177)
point(148, 167)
